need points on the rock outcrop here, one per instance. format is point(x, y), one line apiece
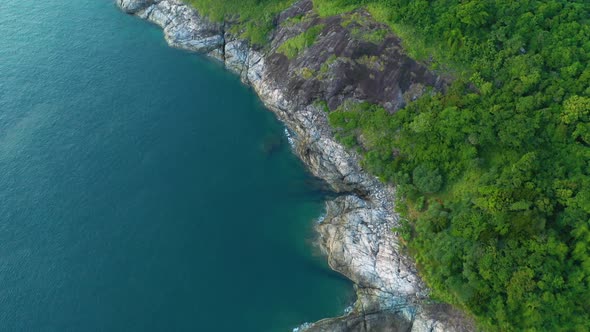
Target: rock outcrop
point(341, 66)
point(133, 6)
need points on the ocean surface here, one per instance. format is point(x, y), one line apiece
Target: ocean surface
point(143, 188)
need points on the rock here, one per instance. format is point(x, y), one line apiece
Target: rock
point(357, 232)
point(133, 6)
point(236, 57)
point(183, 27)
point(384, 321)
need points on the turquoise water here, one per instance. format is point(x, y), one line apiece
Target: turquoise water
point(143, 188)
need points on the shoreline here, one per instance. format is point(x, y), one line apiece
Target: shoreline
point(356, 231)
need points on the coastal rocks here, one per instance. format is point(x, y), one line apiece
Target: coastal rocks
point(383, 321)
point(183, 27)
point(388, 321)
point(133, 6)
point(357, 232)
point(236, 56)
point(358, 237)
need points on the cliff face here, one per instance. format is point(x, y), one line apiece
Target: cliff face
point(340, 66)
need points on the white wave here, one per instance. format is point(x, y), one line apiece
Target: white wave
point(290, 138)
point(303, 327)
point(321, 218)
point(348, 309)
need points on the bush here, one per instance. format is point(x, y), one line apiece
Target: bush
point(428, 180)
point(255, 17)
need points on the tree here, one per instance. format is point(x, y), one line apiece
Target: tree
point(427, 179)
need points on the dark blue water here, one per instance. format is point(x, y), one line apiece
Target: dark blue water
point(143, 188)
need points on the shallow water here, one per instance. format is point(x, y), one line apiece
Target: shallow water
point(143, 188)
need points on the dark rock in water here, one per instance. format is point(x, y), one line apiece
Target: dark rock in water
point(272, 144)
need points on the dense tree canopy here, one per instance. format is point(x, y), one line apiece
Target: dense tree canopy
point(494, 174)
point(508, 235)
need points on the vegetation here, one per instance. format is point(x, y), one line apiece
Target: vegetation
point(372, 62)
point(294, 20)
point(255, 17)
point(307, 73)
point(496, 172)
point(375, 36)
point(293, 46)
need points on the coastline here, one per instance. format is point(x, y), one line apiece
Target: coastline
point(356, 231)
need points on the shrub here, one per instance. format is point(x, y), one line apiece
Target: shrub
point(295, 45)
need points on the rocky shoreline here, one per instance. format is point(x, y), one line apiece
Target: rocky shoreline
point(357, 231)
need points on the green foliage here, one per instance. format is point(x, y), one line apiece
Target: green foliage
point(307, 73)
point(323, 105)
point(293, 20)
point(255, 17)
point(372, 62)
point(330, 7)
point(427, 179)
point(293, 46)
point(495, 173)
point(325, 68)
point(358, 25)
point(371, 36)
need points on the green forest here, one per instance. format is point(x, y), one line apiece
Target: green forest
point(493, 175)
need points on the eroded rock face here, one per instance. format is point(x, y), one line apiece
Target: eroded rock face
point(341, 66)
point(353, 58)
